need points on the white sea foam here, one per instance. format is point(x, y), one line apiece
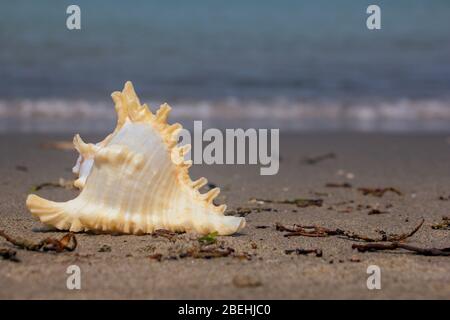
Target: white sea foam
point(53, 115)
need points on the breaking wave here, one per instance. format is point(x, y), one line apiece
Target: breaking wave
point(404, 115)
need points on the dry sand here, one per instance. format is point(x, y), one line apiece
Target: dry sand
point(417, 165)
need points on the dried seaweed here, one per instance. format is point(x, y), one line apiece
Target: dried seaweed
point(210, 238)
point(304, 203)
point(319, 158)
point(398, 245)
point(443, 225)
point(376, 211)
point(245, 211)
point(350, 207)
point(62, 183)
point(163, 233)
point(203, 252)
point(8, 254)
point(264, 209)
point(378, 192)
point(317, 231)
point(338, 185)
point(68, 242)
point(299, 202)
point(196, 253)
point(207, 252)
point(298, 251)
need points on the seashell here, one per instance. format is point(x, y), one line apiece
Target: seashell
point(136, 181)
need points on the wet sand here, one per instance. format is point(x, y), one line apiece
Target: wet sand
point(417, 165)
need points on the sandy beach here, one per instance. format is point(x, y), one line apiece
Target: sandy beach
point(119, 267)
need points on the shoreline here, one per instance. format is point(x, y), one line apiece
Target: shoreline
point(402, 115)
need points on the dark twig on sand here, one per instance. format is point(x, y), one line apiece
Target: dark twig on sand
point(239, 212)
point(67, 242)
point(378, 192)
point(376, 211)
point(203, 252)
point(299, 202)
point(245, 211)
point(9, 254)
point(399, 245)
point(317, 231)
point(163, 233)
point(338, 185)
point(207, 252)
point(443, 225)
point(317, 252)
point(211, 252)
point(196, 253)
point(320, 158)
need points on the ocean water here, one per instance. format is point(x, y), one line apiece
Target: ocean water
point(290, 63)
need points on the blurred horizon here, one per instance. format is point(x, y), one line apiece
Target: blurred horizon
point(312, 63)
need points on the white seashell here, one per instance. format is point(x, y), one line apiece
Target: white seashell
point(136, 181)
